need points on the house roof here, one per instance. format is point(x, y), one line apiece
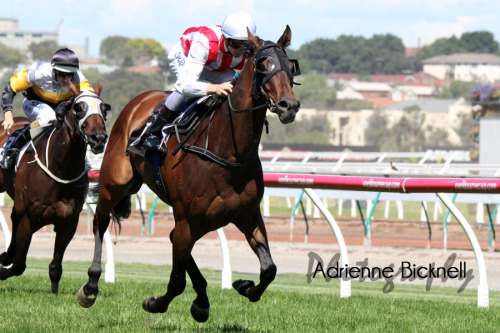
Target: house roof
point(428, 105)
point(418, 78)
point(144, 69)
point(380, 103)
point(419, 90)
point(370, 86)
point(464, 58)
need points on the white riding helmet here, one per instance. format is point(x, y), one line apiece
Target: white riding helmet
point(235, 26)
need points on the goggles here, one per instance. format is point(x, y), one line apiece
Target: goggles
point(238, 44)
point(65, 74)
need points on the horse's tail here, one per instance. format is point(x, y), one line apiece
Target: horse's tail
point(121, 211)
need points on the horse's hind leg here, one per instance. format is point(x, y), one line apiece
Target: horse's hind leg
point(64, 234)
point(181, 254)
point(22, 244)
point(255, 233)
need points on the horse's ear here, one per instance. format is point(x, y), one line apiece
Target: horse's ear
point(74, 90)
point(98, 88)
point(254, 41)
point(286, 38)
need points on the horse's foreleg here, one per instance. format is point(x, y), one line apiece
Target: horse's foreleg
point(200, 309)
point(7, 258)
point(88, 293)
point(181, 253)
point(64, 234)
point(255, 233)
point(22, 244)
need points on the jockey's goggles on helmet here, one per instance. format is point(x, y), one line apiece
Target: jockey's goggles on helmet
point(238, 44)
point(65, 74)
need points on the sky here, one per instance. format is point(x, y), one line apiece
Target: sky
point(93, 20)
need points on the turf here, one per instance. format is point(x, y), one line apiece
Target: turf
point(289, 305)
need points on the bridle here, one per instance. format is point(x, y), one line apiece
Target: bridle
point(92, 105)
point(279, 62)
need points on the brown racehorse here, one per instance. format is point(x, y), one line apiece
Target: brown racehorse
point(205, 194)
point(55, 195)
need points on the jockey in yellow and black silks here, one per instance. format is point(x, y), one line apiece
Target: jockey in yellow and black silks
point(44, 85)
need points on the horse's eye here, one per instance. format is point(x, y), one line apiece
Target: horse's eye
point(80, 109)
point(264, 65)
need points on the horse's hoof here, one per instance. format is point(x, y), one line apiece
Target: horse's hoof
point(199, 314)
point(84, 300)
point(243, 286)
point(149, 304)
point(5, 260)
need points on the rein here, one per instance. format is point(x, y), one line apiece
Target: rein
point(46, 168)
point(270, 51)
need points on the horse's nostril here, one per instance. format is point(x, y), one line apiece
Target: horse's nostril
point(283, 104)
point(287, 104)
point(100, 137)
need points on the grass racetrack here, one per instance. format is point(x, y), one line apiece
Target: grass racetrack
point(289, 305)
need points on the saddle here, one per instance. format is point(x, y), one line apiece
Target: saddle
point(36, 135)
point(188, 115)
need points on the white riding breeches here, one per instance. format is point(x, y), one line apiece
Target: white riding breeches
point(38, 110)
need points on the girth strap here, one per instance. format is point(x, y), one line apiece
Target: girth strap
point(219, 160)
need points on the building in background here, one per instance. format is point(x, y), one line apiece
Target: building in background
point(481, 67)
point(11, 36)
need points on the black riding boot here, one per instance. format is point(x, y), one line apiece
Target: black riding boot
point(153, 136)
point(12, 150)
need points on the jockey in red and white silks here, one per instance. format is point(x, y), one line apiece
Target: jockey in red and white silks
point(204, 61)
point(204, 57)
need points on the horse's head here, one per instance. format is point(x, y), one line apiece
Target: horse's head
point(273, 75)
point(88, 117)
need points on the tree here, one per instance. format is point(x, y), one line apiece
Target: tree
point(10, 57)
point(479, 42)
point(469, 42)
point(377, 133)
point(438, 138)
point(315, 130)
point(144, 50)
point(314, 92)
point(408, 130)
point(457, 89)
point(114, 49)
point(120, 87)
point(466, 129)
point(381, 54)
point(43, 51)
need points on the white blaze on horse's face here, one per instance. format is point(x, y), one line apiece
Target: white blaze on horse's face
point(93, 103)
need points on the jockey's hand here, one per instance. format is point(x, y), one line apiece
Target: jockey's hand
point(220, 89)
point(8, 122)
